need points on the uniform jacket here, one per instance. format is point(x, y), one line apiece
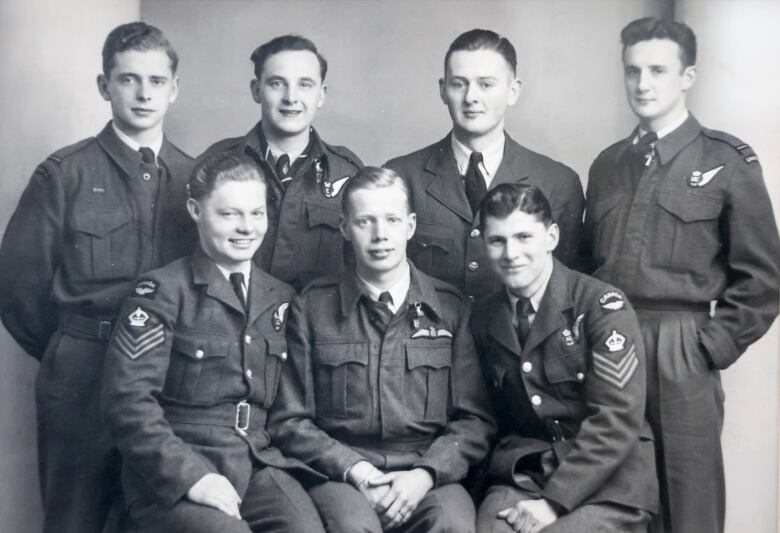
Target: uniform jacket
point(184, 355)
point(303, 239)
point(413, 397)
point(713, 233)
point(577, 387)
point(84, 229)
point(447, 243)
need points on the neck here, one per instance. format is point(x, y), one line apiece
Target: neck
point(660, 123)
point(286, 143)
point(142, 137)
point(382, 280)
point(479, 143)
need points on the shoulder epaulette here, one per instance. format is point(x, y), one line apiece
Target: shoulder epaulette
point(345, 153)
point(180, 151)
point(328, 280)
point(62, 153)
point(443, 286)
point(744, 149)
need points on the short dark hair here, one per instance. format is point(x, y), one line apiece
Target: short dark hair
point(223, 166)
point(503, 200)
point(483, 40)
point(283, 44)
point(648, 28)
point(373, 178)
point(138, 36)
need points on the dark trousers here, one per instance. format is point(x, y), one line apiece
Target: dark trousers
point(344, 509)
point(685, 410)
point(78, 465)
point(593, 518)
point(274, 503)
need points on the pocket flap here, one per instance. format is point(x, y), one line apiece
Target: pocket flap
point(562, 368)
point(101, 222)
point(605, 206)
point(200, 347)
point(430, 356)
point(341, 353)
point(431, 235)
point(277, 346)
point(689, 207)
point(322, 215)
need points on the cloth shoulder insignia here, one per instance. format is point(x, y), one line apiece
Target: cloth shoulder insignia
point(139, 333)
point(745, 151)
point(146, 288)
point(612, 300)
point(618, 364)
point(64, 152)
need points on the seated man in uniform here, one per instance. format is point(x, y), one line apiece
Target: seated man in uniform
point(382, 391)
point(564, 360)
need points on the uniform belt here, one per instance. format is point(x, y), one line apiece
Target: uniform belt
point(380, 446)
point(561, 430)
point(650, 305)
point(241, 416)
point(85, 327)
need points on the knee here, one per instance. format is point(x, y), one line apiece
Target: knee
point(344, 510)
point(448, 509)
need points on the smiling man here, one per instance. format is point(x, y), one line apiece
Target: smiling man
point(94, 216)
point(678, 217)
point(564, 360)
point(382, 391)
point(448, 179)
point(305, 174)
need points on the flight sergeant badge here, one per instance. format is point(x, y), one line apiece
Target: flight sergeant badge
point(139, 333)
point(619, 365)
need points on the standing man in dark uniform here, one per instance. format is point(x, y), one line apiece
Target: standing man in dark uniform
point(94, 216)
point(449, 178)
point(382, 391)
point(678, 217)
point(563, 357)
point(305, 174)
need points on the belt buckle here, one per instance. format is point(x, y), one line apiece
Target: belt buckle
point(104, 330)
point(243, 409)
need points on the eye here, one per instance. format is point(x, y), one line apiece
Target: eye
point(158, 81)
point(487, 84)
point(306, 84)
point(126, 79)
point(657, 70)
point(457, 84)
point(276, 84)
point(631, 72)
point(394, 220)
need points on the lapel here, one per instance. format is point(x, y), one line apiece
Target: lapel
point(205, 272)
point(446, 184)
point(126, 158)
point(555, 302)
point(514, 164)
point(260, 294)
point(501, 327)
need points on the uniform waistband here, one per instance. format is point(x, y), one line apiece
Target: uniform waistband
point(85, 327)
point(241, 416)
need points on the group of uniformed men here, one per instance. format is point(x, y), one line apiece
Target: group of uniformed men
point(446, 364)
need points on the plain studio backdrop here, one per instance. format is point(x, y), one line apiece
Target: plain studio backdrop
point(385, 58)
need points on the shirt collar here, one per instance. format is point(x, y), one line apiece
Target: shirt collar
point(398, 291)
point(156, 145)
point(275, 152)
point(491, 157)
point(536, 297)
point(245, 270)
point(663, 132)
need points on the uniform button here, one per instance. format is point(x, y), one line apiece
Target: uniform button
point(147, 176)
point(471, 298)
point(249, 373)
point(527, 367)
point(474, 233)
point(248, 339)
point(580, 376)
point(284, 356)
point(473, 266)
point(199, 354)
point(536, 399)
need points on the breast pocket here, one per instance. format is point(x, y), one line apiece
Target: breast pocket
point(276, 356)
point(429, 249)
point(196, 368)
point(104, 243)
point(566, 373)
point(687, 236)
point(341, 380)
point(427, 381)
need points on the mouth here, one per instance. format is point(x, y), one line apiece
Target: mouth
point(142, 111)
point(380, 253)
point(512, 269)
point(242, 243)
point(471, 113)
point(290, 113)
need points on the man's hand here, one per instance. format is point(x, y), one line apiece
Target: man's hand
point(406, 489)
point(359, 476)
point(216, 491)
point(529, 516)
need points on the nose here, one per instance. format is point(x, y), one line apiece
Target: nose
point(643, 80)
point(471, 93)
point(380, 231)
point(244, 224)
point(291, 94)
point(143, 91)
point(511, 249)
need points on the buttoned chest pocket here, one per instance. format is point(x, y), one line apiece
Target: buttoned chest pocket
point(197, 365)
point(605, 221)
point(322, 242)
point(103, 244)
point(687, 236)
point(275, 358)
point(427, 380)
point(429, 249)
point(566, 373)
point(341, 380)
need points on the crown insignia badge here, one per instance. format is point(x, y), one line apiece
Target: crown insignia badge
point(138, 318)
point(615, 342)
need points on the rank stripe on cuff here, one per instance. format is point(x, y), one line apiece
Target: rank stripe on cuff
point(136, 347)
point(617, 373)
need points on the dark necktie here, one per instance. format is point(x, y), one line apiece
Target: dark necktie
point(237, 281)
point(283, 169)
point(475, 182)
point(381, 313)
point(643, 150)
point(523, 308)
point(147, 155)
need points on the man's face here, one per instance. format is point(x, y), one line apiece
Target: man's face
point(477, 87)
point(519, 248)
point(231, 222)
point(140, 88)
point(290, 90)
point(378, 225)
point(656, 81)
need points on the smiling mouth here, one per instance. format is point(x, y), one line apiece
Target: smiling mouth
point(242, 242)
point(380, 253)
point(290, 112)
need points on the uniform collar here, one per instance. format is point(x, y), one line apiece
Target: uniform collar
point(129, 160)
point(256, 142)
point(491, 156)
point(421, 290)
point(673, 142)
point(398, 291)
point(663, 132)
point(155, 146)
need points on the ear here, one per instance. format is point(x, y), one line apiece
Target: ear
point(553, 237)
point(442, 94)
point(514, 91)
point(343, 228)
point(102, 85)
point(193, 209)
point(412, 226)
point(689, 77)
point(174, 89)
point(323, 93)
point(254, 87)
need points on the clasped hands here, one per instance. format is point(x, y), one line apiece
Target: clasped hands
point(393, 495)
